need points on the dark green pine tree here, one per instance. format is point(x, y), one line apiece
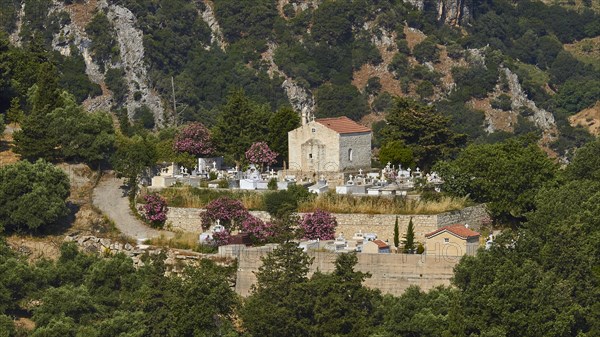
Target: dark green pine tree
point(241, 123)
point(280, 123)
point(36, 139)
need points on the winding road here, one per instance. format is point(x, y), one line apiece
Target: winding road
point(111, 198)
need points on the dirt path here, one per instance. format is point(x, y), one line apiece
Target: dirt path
point(111, 198)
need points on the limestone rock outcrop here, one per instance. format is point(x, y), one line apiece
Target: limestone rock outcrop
point(208, 16)
point(541, 118)
point(300, 98)
point(131, 44)
point(452, 12)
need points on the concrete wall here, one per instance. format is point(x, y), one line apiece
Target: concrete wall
point(391, 273)
point(188, 220)
point(360, 144)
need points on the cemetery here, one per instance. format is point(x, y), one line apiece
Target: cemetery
point(329, 171)
point(324, 154)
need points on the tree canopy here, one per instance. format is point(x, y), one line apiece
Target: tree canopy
point(240, 123)
point(424, 131)
point(32, 195)
point(506, 176)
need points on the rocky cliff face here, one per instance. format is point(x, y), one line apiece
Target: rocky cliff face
point(300, 98)
point(541, 118)
point(73, 34)
point(15, 37)
point(131, 44)
point(452, 12)
point(208, 16)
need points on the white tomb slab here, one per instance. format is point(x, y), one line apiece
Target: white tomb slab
point(248, 184)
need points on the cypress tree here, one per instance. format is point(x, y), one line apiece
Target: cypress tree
point(409, 242)
point(396, 234)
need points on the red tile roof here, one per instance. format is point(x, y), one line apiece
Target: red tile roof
point(459, 230)
point(342, 125)
point(381, 244)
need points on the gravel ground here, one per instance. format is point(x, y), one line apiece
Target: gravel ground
point(111, 198)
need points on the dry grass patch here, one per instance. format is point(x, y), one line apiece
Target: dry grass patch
point(381, 205)
point(588, 118)
point(190, 197)
point(586, 51)
point(7, 156)
point(181, 240)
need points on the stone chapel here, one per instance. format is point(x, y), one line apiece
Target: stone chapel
point(329, 145)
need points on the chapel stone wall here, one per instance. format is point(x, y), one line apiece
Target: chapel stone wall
point(360, 146)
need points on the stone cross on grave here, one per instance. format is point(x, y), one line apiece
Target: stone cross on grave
point(214, 163)
point(272, 172)
point(350, 180)
point(360, 171)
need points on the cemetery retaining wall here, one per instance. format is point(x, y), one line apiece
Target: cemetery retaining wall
point(390, 273)
point(188, 220)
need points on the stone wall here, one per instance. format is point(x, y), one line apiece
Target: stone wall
point(360, 145)
point(474, 216)
point(383, 225)
point(175, 259)
point(391, 273)
point(188, 220)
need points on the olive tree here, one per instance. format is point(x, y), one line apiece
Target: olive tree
point(32, 195)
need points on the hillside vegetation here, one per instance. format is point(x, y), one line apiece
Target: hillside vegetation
point(487, 94)
point(334, 57)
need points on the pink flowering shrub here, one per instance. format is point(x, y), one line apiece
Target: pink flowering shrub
point(222, 238)
point(233, 216)
point(259, 231)
point(155, 210)
point(229, 212)
point(319, 225)
point(195, 140)
point(260, 153)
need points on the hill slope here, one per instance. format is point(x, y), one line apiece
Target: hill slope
point(491, 66)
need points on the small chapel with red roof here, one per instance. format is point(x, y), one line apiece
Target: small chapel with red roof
point(329, 145)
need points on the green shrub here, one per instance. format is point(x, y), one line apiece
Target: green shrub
point(425, 89)
point(382, 102)
point(426, 51)
point(502, 102)
point(373, 85)
point(454, 51)
point(272, 185)
point(280, 203)
point(223, 183)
